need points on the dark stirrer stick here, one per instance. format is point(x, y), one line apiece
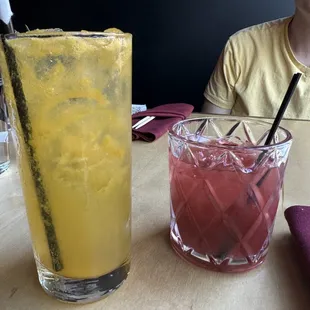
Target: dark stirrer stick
point(23, 114)
point(287, 98)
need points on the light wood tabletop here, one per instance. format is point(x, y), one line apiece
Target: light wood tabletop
point(159, 279)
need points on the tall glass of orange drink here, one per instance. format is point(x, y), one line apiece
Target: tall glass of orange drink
point(70, 103)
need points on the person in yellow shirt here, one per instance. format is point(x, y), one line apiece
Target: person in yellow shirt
point(257, 65)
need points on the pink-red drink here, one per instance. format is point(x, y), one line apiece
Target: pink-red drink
point(223, 203)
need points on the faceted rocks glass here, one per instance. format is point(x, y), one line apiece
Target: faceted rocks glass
point(225, 187)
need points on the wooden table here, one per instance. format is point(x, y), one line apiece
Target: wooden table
point(159, 279)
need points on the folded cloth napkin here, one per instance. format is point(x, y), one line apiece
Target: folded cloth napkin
point(298, 218)
point(165, 116)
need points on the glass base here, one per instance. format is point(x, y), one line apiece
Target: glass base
point(81, 290)
point(4, 166)
point(210, 263)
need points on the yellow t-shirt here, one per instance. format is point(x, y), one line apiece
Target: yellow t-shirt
point(254, 71)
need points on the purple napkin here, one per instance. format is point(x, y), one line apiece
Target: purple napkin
point(298, 218)
point(165, 116)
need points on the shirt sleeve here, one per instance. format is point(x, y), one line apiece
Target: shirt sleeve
point(221, 87)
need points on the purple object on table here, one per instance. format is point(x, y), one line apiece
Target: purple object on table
point(165, 116)
point(298, 218)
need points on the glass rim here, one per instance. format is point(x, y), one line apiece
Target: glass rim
point(54, 34)
point(287, 140)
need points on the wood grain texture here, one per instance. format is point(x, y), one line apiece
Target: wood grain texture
point(158, 278)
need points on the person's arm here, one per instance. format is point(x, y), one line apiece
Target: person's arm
point(210, 108)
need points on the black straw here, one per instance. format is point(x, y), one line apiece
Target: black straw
point(25, 123)
point(275, 125)
point(286, 100)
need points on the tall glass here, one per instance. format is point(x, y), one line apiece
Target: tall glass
point(225, 189)
point(70, 101)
